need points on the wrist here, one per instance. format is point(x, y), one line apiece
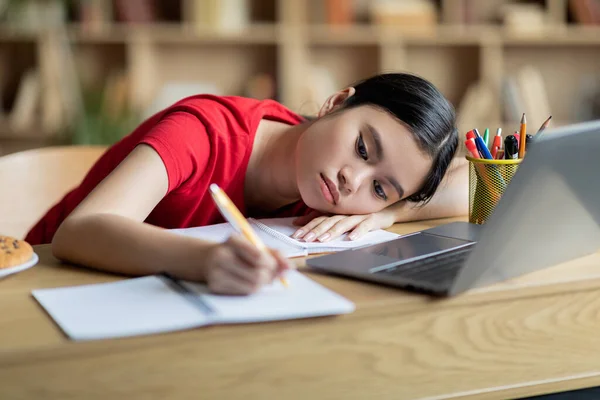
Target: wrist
point(195, 264)
point(397, 212)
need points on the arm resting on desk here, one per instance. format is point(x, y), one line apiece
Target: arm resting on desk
point(106, 230)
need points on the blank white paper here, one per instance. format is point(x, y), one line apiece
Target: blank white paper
point(130, 307)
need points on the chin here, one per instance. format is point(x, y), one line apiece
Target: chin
point(313, 199)
point(318, 204)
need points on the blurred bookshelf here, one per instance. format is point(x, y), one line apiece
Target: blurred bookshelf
point(67, 67)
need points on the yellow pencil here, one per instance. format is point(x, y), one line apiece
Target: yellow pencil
point(231, 213)
point(523, 135)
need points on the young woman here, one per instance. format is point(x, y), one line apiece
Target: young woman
point(375, 155)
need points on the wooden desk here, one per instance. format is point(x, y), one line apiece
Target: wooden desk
point(535, 335)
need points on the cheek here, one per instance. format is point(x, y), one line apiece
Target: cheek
point(328, 139)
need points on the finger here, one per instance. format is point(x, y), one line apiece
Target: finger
point(282, 260)
point(240, 269)
point(223, 282)
point(251, 283)
point(267, 263)
point(305, 219)
point(361, 229)
point(251, 256)
point(301, 233)
point(258, 272)
point(343, 226)
point(244, 249)
point(319, 232)
point(283, 263)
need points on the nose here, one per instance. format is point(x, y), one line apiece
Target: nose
point(350, 180)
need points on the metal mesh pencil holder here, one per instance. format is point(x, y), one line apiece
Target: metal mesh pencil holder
point(488, 180)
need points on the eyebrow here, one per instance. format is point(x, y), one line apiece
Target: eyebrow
point(379, 153)
point(396, 186)
point(377, 140)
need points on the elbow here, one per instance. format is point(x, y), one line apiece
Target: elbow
point(63, 241)
point(58, 244)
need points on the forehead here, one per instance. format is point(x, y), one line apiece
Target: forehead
point(403, 158)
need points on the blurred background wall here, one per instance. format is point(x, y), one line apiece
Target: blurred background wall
point(87, 71)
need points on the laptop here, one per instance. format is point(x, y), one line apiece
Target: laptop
point(549, 213)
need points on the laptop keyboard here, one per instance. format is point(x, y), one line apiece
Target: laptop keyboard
point(432, 272)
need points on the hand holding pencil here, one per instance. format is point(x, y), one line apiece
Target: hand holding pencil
point(243, 263)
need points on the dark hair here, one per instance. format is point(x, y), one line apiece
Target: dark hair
point(424, 109)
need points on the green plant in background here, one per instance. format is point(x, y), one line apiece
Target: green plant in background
point(102, 122)
point(101, 114)
point(34, 14)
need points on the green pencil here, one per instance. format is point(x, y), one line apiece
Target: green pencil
point(486, 136)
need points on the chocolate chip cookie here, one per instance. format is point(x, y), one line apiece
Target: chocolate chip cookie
point(14, 252)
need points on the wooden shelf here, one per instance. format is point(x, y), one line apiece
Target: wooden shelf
point(10, 34)
point(451, 35)
point(175, 34)
point(555, 35)
point(166, 33)
point(159, 33)
point(288, 38)
point(322, 34)
point(32, 134)
point(343, 35)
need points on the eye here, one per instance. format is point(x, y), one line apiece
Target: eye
point(379, 192)
point(361, 149)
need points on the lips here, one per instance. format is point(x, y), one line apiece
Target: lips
point(331, 189)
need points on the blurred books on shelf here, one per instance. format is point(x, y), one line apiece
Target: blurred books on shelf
point(61, 96)
point(339, 12)
point(115, 96)
point(585, 12)
point(220, 15)
point(455, 12)
point(172, 91)
point(588, 106)
point(405, 15)
point(525, 92)
point(521, 92)
point(26, 105)
point(95, 15)
point(524, 18)
point(318, 86)
point(476, 106)
point(135, 11)
point(261, 86)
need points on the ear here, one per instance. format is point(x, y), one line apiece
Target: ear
point(335, 101)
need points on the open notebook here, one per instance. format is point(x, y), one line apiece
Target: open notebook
point(155, 304)
point(277, 232)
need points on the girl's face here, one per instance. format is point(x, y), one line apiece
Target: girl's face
point(358, 161)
